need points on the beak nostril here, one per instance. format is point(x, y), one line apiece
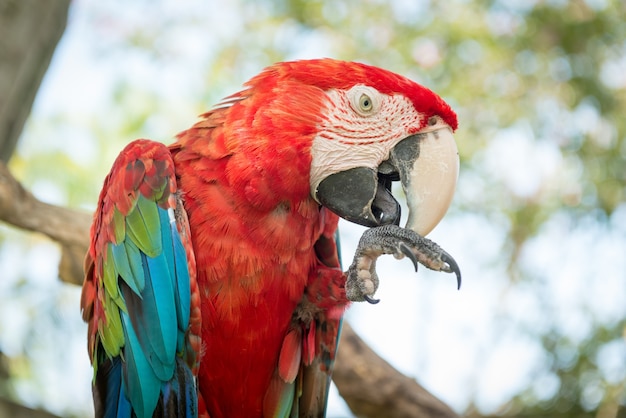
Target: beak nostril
point(388, 170)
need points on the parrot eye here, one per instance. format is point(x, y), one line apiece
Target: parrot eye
point(364, 100)
point(365, 103)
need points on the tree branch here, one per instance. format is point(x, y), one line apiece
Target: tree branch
point(373, 388)
point(68, 227)
point(10, 409)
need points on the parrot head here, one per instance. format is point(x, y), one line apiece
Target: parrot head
point(380, 129)
point(365, 127)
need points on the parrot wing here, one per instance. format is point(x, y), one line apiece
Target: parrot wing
point(140, 297)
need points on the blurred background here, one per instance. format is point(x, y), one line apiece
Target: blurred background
point(538, 223)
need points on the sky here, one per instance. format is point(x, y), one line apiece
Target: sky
point(423, 325)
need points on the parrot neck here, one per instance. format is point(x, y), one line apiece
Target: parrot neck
point(262, 153)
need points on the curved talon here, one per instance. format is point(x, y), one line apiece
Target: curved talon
point(371, 300)
point(406, 250)
point(453, 267)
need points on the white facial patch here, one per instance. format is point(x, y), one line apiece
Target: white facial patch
point(359, 128)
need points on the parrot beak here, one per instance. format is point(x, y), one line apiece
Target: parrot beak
point(427, 165)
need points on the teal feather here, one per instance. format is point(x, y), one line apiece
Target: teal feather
point(338, 245)
point(164, 303)
point(183, 289)
point(177, 262)
point(166, 239)
point(142, 385)
point(156, 323)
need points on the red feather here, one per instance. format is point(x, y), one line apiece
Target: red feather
point(290, 356)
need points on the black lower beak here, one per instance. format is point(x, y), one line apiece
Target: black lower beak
point(360, 195)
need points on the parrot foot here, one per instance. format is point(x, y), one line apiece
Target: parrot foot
point(362, 279)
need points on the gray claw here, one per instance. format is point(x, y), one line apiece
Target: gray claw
point(406, 250)
point(361, 277)
point(371, 300)
point(453, 267)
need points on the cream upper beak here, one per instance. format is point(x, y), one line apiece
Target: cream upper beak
point(432, 181)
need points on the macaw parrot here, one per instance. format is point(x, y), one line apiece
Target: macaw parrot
point(213, 285)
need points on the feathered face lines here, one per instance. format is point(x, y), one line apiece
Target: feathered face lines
point(390, 118)
point(360, 127)
point(328, 74)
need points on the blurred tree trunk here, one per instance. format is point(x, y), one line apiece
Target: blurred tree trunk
point(29, 32)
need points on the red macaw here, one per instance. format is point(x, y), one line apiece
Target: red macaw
point(213, 285)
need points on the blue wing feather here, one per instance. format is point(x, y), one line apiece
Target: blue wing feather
point(177, 261)
point(141, 383)
point(115, 404)
point(183, 290)
point(163, 307)
point(179, 398)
